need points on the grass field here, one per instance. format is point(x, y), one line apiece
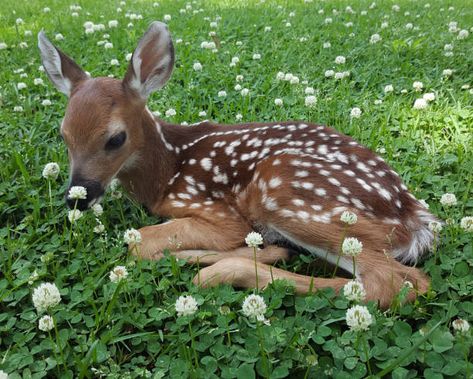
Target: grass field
point(130, 329)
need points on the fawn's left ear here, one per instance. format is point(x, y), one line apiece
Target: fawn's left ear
point(152, 62)
point(62, 70)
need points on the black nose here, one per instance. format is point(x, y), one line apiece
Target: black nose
point(94, 191)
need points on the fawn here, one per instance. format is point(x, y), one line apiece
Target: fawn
point(290, 181)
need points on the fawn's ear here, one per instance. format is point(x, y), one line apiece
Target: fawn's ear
point(62, 70)
point(152, 62)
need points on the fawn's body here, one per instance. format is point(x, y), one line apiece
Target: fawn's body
point(290, 181)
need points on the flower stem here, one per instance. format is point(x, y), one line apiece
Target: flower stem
point(365, 350)
point(192, 346)
point(256, 269)
point(264, 358)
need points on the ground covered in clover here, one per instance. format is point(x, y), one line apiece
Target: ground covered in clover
point(397, 76)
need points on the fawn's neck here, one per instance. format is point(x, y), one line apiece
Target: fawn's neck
point(148, 172)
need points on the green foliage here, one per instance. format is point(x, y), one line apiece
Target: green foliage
point(130, 329)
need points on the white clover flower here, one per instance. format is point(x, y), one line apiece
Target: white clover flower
point(359, 318)
point(186, 306)
point(21, 85)
point(46, 9)
point(340, 59)
point(288, 76)
point(256, 56)
point(447, 72)
point(466, 223)
point(448, 47)
point(112, 23)
point(19, 21)
point(375, 38)
point(239, 78)
point(118, 274)
point(327, 45)
point(430, 96)
point(309, 91)
point(378, 102)
point(329, 73)
point(237, 87)
point(409, 26)
point(348, 218)
point(202, 114)
point(267, 29)
point(245, 92)
point(132, 236)
point(351, 246)
point(448, 200)
point(128, 56)
point(167, 17)
point(254, 306)
point(396, 8)
point(46, 103)
point(463, 34)
point(3, 45)
point(418, 86)
point(294, 80)
point(97, 209)
point(77, 192)
point(46, 323)
point(58, 37)
point(278, 102)
point(355, 112)
point(197, 66)
point(310, 101)
point(51, 171)
point(46, 296)
point(73, 215)
point(254, 239)
point(170, 112)
point(354, 291)
point(461, 326)
point(328, 20)
point(222, 94)
point(108, 45)
point(17, 108)
point(238, 116)
point(435, 226)
point(213, 25)
point(420, 104)
point(114, 62)
point(99, 228)
point(388, 88)
point(38, 81)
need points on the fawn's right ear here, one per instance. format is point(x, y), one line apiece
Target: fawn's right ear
point(62, 70)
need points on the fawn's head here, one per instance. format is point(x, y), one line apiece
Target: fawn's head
point(102, 123)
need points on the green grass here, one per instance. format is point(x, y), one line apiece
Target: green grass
point(131, 329)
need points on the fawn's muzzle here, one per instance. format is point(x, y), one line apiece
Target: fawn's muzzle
point(94, 192)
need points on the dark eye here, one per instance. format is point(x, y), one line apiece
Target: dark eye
point(116, 141)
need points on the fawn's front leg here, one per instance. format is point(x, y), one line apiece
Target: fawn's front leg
point(190, 233)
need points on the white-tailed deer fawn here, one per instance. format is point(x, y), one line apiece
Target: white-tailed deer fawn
point(290, 181)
